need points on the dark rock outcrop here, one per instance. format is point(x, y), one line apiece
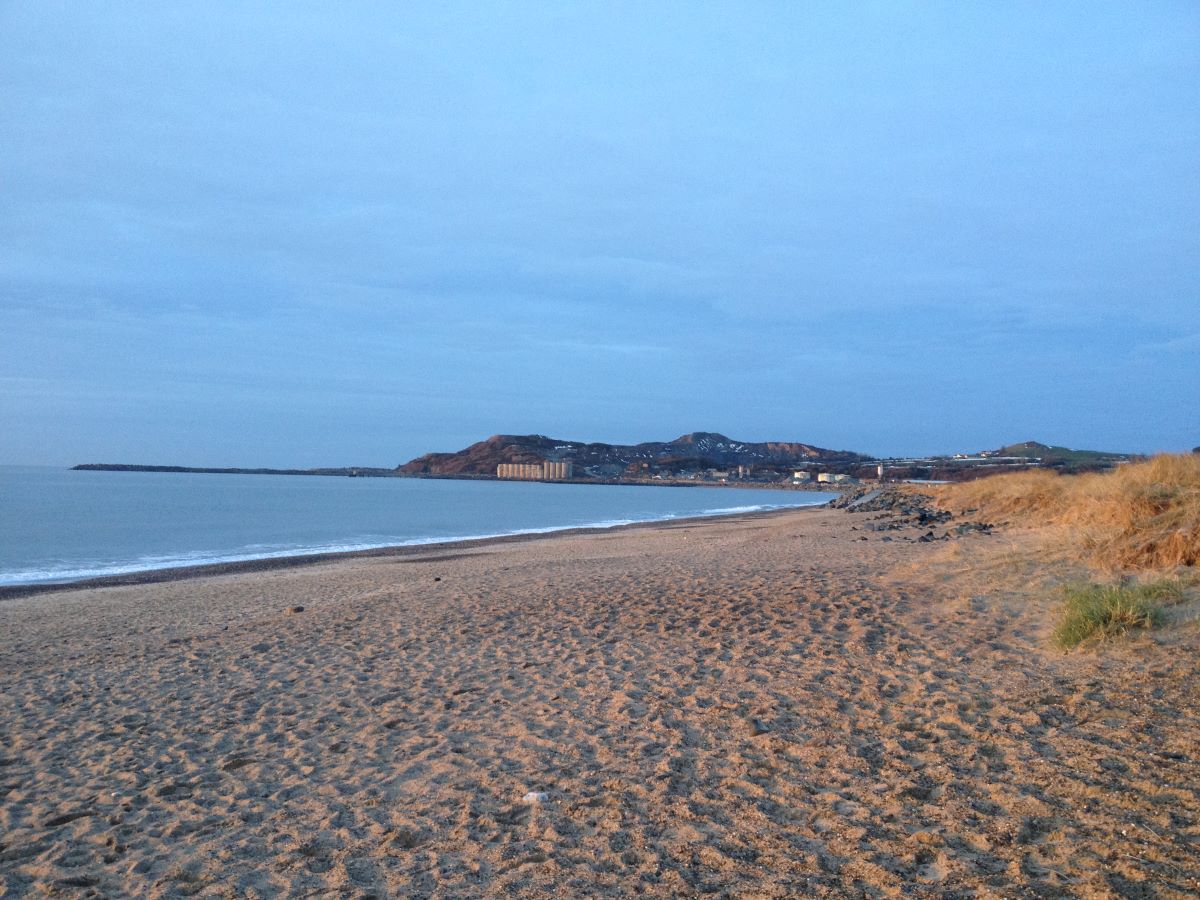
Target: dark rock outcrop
point(899, 509)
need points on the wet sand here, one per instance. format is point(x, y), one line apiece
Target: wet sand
point(768, 706)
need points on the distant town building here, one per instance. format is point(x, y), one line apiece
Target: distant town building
point(833, 478)
point(547, 470)
point(560, 470)
point(520, 471)
point(802, 476)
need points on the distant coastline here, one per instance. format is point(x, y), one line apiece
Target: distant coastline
point(366, 472)
point(343, 471)
point(700, 458)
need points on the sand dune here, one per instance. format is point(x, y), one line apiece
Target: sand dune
point(762, 707)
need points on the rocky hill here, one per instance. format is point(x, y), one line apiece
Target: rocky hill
point(698, 450)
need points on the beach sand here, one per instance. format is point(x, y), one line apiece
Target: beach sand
point(766, 706)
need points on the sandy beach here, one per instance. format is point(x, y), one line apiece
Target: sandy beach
point(769, 706)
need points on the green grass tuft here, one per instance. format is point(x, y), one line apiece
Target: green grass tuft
point(1107, 610)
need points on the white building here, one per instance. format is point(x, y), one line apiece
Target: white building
point(833, 478)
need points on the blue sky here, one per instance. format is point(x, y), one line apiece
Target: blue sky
point(349, 234)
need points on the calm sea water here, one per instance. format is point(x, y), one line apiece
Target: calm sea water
point(60, 525)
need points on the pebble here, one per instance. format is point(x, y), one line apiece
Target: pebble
point(536, 797)
point(295, 609)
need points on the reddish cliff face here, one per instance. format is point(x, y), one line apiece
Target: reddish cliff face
point(482, 458)
point(699, 449)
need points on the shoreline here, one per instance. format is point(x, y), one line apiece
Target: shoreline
point(274, 563)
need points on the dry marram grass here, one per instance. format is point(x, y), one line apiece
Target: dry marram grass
point(1141, 516)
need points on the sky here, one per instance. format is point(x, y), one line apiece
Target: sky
point(349, 234)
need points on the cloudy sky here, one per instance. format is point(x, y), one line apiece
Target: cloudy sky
point(351, 234)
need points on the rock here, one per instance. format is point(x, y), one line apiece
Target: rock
point(968, 527)
point(295, 609)
point(535, 797)
point(759, 727)
point(868, 497)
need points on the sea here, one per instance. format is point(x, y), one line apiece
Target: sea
point(61, 525)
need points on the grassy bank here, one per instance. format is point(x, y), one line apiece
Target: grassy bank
point(1141, 517)
point(1139, 525)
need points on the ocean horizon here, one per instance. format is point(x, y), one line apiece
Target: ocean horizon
point(58, 525)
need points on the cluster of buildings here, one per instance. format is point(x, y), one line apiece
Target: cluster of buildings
point(564, 470)
point(823, 478)
point(546, 470)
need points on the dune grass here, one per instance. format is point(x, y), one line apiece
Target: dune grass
point(1097, 611)
point(1140, 516)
